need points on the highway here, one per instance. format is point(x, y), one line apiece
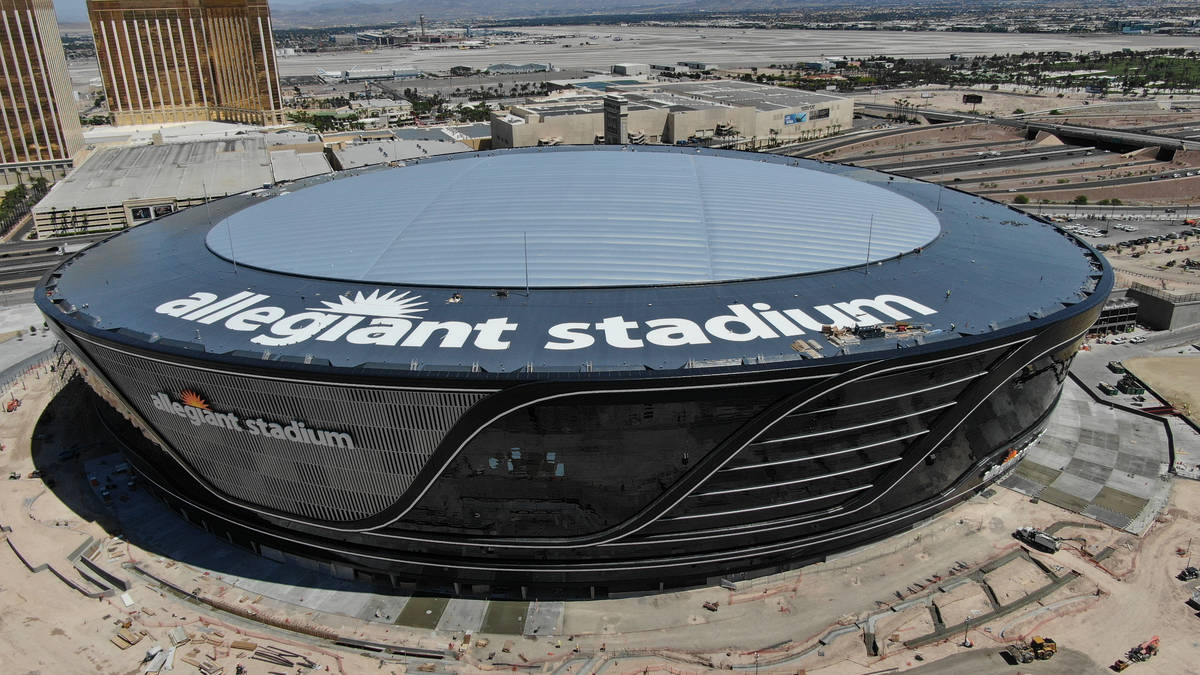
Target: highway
point(1006, 159)
point(24, 263)
point(22, 271)
point(977, 145)
point(1143, 138)
point(815, 148)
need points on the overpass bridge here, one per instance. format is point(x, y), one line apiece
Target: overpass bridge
point(1104, 137)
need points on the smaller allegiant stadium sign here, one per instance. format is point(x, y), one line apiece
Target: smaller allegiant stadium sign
point(196, 410)
point(394, 320)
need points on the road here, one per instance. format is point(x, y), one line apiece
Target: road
point(950, 147)
point(24, 263)
point(815, 148)
point(1127, 137)
point(1006, 159)
point(1122, 166)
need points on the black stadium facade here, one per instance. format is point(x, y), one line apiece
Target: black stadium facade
point(599, 368)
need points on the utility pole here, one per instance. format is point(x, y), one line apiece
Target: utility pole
point(525, 249)
point(870, 232)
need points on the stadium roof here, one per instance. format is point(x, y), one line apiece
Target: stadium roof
point(575, 219)
point(989, 271)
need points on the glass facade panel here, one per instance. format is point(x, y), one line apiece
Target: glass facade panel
point(323, 452)
point(618, 453)
point(585, 463)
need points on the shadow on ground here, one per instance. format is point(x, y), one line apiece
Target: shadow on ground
point(82, 465)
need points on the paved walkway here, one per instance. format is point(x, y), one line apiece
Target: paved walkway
point(20, 318)
point(1099, 461)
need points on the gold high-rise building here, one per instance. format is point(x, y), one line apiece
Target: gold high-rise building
point(185, 60)
point(40, 131)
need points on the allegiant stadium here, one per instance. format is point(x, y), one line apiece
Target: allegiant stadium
point(593, 369)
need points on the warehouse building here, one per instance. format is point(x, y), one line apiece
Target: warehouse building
point(677, 113)
point(120, 187)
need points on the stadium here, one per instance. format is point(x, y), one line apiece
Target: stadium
point(589, 369)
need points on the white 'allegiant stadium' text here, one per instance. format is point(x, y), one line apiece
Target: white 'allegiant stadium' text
point(274, 327)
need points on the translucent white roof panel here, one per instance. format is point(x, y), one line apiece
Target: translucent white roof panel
point(576, 218)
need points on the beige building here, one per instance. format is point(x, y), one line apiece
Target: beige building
point(116, 188)
point(676, 113)
point(186, 60)
point(40, 133)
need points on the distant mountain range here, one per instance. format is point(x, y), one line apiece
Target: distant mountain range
point(335, 12)
point(357, 12)
point(322, 13)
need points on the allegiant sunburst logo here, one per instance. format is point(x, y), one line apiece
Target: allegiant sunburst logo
point(376, 304)
point(191, 398)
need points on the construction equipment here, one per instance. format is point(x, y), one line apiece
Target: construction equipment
point(1188, 574)
point(1144, 651)
point(712, 606)
point(1038, 539)
point(1043, 648)
point(1020, 653)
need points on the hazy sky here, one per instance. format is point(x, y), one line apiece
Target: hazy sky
point(75, 11)
point(71, 11)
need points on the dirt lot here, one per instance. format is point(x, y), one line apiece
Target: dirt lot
point(48, 627)
point(1176, 379)
point(1147, 602)
point(963, 604)
point(919, 140)
point(994, 102)
point(1015, 580)
point(1150, 266)
point(1163, 192)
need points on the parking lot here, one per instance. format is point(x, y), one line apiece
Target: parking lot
point(1104, 233)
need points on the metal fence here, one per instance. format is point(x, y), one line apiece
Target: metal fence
point(12, 374)
point(1164, 295)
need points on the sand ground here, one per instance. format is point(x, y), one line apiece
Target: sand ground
point(1176, 379)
